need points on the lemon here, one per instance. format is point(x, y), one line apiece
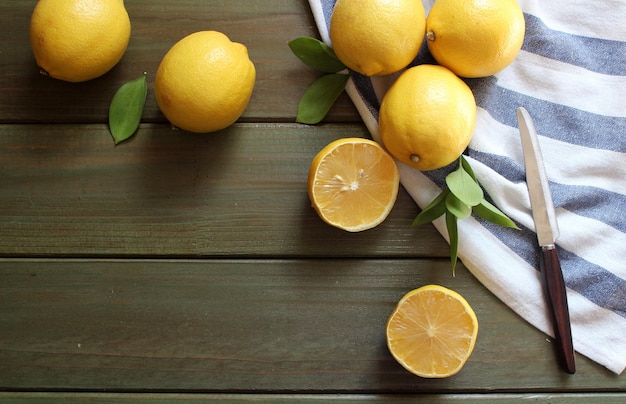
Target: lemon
point(432, 331)
point(79, 40)
point(204, 82)
point(427, 117)
point(475, 38)
point(353, 184)
point(377, 37)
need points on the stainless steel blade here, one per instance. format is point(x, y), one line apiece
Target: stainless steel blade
point(544, 214)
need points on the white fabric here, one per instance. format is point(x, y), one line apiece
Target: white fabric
point(571, 76)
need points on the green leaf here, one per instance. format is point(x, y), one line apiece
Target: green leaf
point(464, 187)
point(457, 207)
point(468, 169)
point(316, 54)
point(463, 195)
point(434, 209)
point(492, 214)
point(126, 108)
point(320, 97)
point(453, 235)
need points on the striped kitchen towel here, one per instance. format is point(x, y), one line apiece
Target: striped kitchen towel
point(571, 77)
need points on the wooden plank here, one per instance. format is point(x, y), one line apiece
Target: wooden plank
point(291, 326)
point(65, 190)
point(26, 96)
point(596, 398)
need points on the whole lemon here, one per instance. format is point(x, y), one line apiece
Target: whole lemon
point(377, 37)
point(427, 117)
point(79, 40)
point(204, 82)
point(475, 38)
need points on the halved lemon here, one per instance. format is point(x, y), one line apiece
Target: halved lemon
point(353, 184)
point(432, 332)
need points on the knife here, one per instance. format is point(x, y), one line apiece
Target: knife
point(547, 230)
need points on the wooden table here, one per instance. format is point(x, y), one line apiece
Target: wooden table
point(192, 267)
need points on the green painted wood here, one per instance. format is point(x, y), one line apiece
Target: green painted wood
point(66, 190)
point(314, 325)
point(103, 398)
point(265, 28)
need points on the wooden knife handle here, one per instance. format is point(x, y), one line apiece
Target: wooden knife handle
point(557, 304)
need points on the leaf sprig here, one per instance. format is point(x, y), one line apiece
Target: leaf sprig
point(462, 196)
point(321, 95)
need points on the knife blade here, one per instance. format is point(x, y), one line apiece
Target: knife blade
point(547, 229)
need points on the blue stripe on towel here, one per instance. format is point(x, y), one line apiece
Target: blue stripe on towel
point(594, 203)
point(587, 201)
point(503, 165)
point(366, 90)
point(327, 6)
point(596, 284)
point(552, 120)
point(598, 55)
point(556, 121)
point(604, 206)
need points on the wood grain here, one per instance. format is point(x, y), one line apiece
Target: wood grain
point(233, 398)
point(314, 325)
point(66, 190)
